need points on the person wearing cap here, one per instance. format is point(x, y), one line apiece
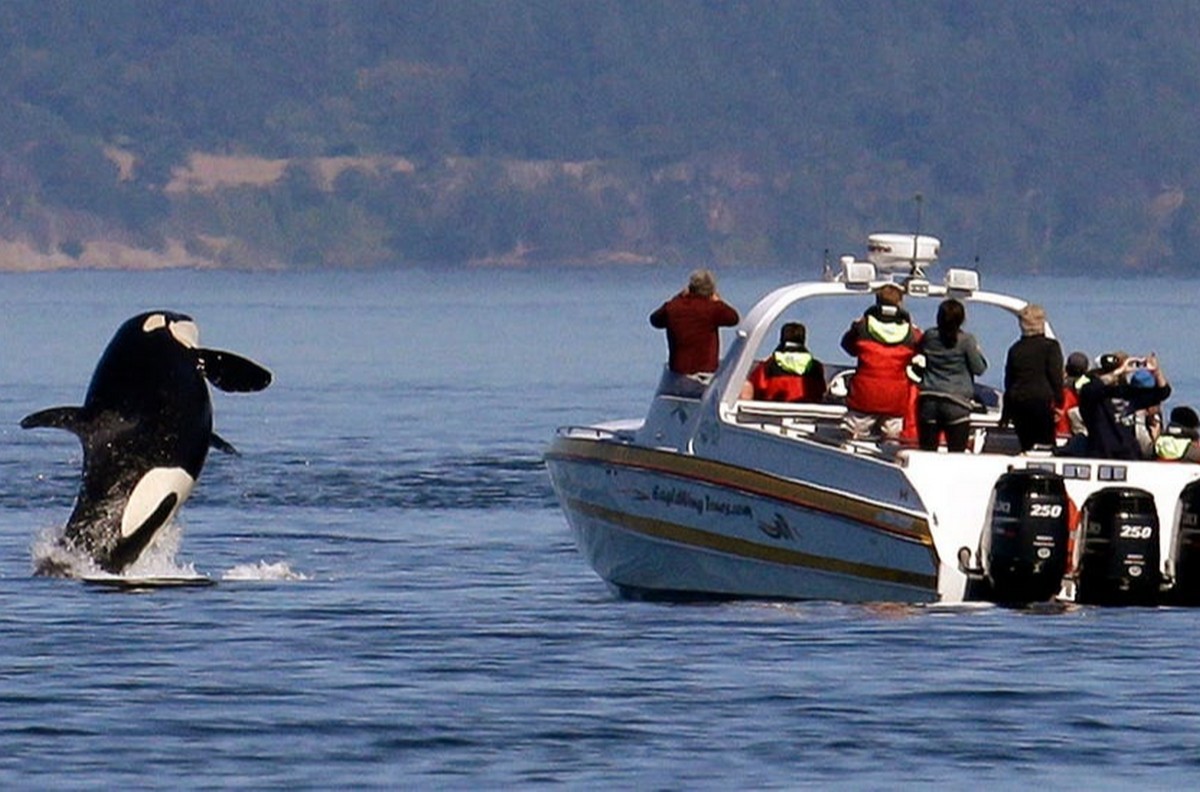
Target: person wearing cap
point(1178, 442)
point(791, 373)
point(1110, 397)
point(947, 384)
point(884, 340)
point(1069, 428)
point(1068, 423)
point(693, 319)
point(1033, 381)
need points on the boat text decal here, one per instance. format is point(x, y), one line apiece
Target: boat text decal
point(677, 496)
point(707, 471)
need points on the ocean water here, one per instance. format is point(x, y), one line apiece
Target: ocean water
point(398, 602)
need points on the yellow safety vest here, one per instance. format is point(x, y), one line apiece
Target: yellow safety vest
point(794, 362)
point(890, 333)
point(1171, 447)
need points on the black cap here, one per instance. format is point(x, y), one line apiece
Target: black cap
point(1185, 417)
point(1109, 362)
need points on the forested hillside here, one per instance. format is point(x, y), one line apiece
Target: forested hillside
point(1047, 137)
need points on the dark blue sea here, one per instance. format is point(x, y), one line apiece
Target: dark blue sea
point(399, 604)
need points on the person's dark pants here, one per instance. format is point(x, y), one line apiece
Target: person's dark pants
point(937, 416)
point(1033, 422)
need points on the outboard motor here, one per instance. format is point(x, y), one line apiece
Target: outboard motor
point(1187, 548)
point(1025, 546)
point(1120, 561)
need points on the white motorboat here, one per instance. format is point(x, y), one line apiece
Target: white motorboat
point(718, 496)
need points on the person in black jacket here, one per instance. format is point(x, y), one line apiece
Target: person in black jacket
point(1109, 399)
point(1033, 381)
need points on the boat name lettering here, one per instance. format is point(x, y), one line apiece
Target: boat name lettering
point(678, 497)
point(725, 507)
point(673, 496)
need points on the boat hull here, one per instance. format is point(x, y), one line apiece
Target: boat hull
point(722, 494)
point(657, 523)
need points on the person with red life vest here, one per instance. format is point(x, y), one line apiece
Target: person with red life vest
point(791, 373)
point(1069, 427)
point(1180, 441)
point(1066, 417)
point(884, 339)
point(692, 320)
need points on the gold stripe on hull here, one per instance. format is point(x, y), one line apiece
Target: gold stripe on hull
point(743, 548)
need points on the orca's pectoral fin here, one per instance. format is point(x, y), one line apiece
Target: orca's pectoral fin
point(129, 548)
point(233, 373)
point(55, 418)
point(221, 444)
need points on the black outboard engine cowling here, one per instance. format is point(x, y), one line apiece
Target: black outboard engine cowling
point(1025, 546)
point(1187, 548)
point(1120, 561)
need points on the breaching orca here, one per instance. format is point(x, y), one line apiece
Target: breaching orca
point(146, 427)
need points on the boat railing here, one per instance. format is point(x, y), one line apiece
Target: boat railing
point(790, 409)
point(614, 431)
point(822, 422)
point(811, 420)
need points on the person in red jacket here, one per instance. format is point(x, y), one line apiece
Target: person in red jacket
point(1068, 423)
point(692, 320)
point(884, 339)
point(791, 373)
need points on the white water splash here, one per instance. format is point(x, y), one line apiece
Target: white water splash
point(158, 560)
point(52, 559)
point(280, 570)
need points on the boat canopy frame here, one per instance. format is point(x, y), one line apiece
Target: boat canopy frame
point(735, 366)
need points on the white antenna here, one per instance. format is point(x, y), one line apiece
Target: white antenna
point(917, 269)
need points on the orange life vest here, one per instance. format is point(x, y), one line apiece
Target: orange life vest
point(880, 385)
point(1062, 422)
point(788, 386)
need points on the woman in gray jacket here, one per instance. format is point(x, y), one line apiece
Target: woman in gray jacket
point(952, 362)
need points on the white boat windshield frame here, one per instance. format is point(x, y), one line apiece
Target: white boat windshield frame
point(751, 332)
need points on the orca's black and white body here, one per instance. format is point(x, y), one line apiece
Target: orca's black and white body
point(146, 427)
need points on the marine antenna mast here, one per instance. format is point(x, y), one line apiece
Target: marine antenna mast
point(916, 269)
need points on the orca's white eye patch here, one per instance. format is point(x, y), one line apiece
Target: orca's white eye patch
point(154, 322)
point(186, 333)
